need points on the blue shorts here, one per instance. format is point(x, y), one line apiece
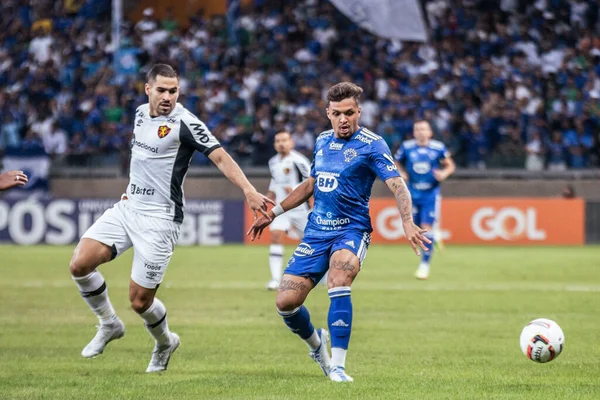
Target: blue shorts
point(311, 257)
point(426, 209)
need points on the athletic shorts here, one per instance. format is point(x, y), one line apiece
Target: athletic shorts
point(311, 257)
point(426, 210)
point(291, 222)
point(152, 239)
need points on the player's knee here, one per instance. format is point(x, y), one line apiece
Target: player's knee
point(287, 303)
point(139, 304)
point(79, 267)
point(338, 280)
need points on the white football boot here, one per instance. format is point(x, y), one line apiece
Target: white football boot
point(338, 374)
point(321, 355)
point(162, 354)
point(422, 272)
point(106, 333)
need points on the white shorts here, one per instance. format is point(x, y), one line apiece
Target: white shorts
point(153, 240)
point(293, 223)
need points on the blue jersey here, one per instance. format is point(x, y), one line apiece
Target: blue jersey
point(344, 172)
point(420, 162)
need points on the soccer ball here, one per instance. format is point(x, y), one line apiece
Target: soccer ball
point(542, 340)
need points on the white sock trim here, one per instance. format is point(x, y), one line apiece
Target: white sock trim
point(340, 289)
point(285, 314)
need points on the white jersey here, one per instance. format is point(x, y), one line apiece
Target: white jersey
point(288, 172)
point(161, 152)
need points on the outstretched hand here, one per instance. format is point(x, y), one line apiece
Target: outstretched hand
point(258, 226)
point(416, 237)
point(10, 179)
point(258, 202)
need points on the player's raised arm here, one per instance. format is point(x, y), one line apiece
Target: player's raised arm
point(234, 173)
point(298, 196)
point(413, 233)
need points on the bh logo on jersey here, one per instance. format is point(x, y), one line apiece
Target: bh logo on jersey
point(327, 182)
point(303, 250)
point(163, 131)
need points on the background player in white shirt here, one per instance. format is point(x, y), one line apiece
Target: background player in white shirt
point(149, 215)
point(288, 169)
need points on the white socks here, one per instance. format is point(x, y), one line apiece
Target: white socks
point(313, 342)
point(156, 322)
point(94, 292)
point(276, 260)
point(338, 357)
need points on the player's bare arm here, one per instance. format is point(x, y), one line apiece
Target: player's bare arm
point(448, 168)
point(233, 172)
point(299, 196)
point(413, 233)
point(10, 179)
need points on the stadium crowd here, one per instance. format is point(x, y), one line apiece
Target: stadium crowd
point(508, 83)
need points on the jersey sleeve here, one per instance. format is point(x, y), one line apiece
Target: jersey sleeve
point(304, 167)
point(444, 153)
point(195, 134)
point(400, 155)
point(382, 162)
point(272, 184)
point(313, 172)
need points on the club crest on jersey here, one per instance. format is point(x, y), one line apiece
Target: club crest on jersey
point(286, 171)
point(163, 131)
point(349, 154)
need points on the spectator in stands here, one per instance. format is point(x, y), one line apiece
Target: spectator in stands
point(490, 69)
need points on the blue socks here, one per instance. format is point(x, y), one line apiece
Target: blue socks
point(426, 255)
point(298, 321)
point(340, 317)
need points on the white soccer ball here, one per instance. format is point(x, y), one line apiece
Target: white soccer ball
point(542, 340)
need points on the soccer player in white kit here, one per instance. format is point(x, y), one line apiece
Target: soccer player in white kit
point(288, 169)
point(149, 215)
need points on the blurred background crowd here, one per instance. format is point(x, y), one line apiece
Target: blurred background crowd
point(510, 83)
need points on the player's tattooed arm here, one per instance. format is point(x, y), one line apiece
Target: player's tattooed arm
point(413, 233)
point(402, 195)
point(299, 195)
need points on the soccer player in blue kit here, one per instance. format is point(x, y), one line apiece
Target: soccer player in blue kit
point(346, 162)
point(424, 163)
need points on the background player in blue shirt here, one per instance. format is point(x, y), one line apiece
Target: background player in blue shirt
point(424, 163)
point(346, 162)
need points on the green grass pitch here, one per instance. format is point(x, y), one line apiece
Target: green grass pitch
point(455, 336)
